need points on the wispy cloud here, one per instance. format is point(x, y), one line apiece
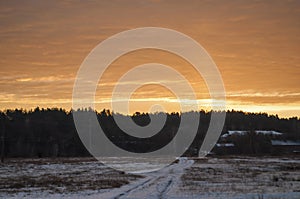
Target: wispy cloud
point(254, 43)
point(24, 80)
point(59, 78)
point(251, 93)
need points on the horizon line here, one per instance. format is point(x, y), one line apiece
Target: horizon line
point(26, 110)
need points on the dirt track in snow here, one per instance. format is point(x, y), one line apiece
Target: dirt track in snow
point(222, 177)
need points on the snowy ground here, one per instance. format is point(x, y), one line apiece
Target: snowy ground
point(230, 177)
point(44, 178)
point(243, 177)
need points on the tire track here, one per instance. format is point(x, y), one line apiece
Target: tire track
point(157, 184)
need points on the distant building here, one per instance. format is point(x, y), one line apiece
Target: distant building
point(258, 141)
point(285, 146)
point(263, 132)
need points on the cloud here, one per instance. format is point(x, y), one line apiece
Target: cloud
point(252, 93)
point(46, 79)
point(254, 43)
point(24, 80)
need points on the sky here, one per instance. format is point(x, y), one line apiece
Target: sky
point(255, 45)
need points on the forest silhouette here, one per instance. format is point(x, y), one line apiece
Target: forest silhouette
point(50, 132)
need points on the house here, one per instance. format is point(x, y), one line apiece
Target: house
point(285, 146)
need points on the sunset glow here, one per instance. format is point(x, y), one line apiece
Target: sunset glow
point(255, 45)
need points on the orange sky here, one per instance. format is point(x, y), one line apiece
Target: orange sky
point(255, 45)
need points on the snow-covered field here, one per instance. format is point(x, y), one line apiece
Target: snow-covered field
point(44, 178)
point(243, 177)
point(230, 177)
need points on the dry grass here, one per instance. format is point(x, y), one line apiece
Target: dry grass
point(59, 176)
point(242, 175)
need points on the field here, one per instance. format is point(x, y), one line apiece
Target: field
point(243, 178)
point(212, 177)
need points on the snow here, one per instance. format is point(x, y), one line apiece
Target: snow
point(136, 164)
point(268, 132)
point(204, 178)
point(285, 143)
point(163, 183)
point(225, 145)
point(237, 132)
point(156, 184)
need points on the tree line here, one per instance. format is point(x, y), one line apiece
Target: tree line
point(51, 132)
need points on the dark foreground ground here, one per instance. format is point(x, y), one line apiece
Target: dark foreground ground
point(212, 177)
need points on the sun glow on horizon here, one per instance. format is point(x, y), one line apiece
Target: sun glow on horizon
point(254, 44)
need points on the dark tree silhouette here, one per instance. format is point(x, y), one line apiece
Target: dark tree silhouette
point(51, 132)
